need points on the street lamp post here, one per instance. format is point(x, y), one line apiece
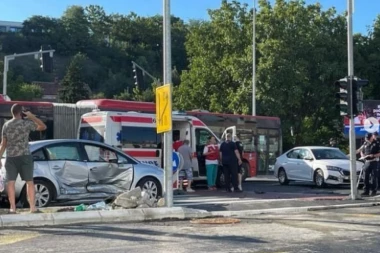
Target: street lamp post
point(350, 51)
point(254, 59)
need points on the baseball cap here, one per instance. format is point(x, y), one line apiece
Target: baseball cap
point(368, 135)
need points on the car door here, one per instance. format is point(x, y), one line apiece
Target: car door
point(66, 164)
point(305, 164)
point(109, 171)
point(292, 166)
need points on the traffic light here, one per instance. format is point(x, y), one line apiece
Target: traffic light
point(357, 95)
point(139, 77)
point(344, 96)
point(46, 60)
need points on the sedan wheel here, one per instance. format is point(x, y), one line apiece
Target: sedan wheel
point(319, 179)
point(151, 187)
point(43, 193)
point(282, 177)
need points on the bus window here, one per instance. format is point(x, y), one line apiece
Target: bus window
point(92, 133)
point(140, 137)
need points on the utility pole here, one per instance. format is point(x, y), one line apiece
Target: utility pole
point(352, 137)
point(168, 140)
point(254, 59)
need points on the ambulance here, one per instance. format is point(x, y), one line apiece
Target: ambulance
point(136, 134)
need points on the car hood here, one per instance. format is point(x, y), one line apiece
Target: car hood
point(341, 163)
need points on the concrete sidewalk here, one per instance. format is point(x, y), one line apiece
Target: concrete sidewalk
point(50, 217)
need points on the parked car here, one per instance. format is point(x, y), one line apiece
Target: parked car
point(321, 165)
point(81, 170)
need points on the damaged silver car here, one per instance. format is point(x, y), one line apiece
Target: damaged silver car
point(85, 171)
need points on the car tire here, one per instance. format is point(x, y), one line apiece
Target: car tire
point(282, 177)
point(151, 186)
point(319, 179)
point(44, 194)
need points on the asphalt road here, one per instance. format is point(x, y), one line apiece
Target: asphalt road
point(343, 230)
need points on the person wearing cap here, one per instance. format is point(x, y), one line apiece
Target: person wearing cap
point(371, 154)
point(378, 162)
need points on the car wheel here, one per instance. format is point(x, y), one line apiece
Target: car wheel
point(43, 194)
point(151, 186)
point(319, 179)
point(282, 177)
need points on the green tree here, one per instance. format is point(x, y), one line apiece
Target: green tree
point(25, 92)
point(77, 30)
point(219, 72)
point(73, 87)
point(302, 53)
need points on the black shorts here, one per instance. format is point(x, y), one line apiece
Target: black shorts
point(22, 165)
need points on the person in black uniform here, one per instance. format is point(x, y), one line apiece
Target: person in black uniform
point(230, 157)
point(378, 162)
point(240, 148)
point(371, 153)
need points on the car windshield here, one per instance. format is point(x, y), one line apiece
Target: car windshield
point(323, 154)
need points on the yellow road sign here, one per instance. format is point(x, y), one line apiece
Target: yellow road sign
point(163, 109)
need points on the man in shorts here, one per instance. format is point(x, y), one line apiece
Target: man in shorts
point(15, 140)
point(187, 155)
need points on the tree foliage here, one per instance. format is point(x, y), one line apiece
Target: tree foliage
point(73, 87)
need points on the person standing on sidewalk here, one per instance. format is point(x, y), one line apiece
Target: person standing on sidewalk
point(371, 154)
point(376, 134)
point(187, 155)
point(211, 151)
point(240, 148)
point(15, 140)
point(230, 157)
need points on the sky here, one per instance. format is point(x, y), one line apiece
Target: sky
point(365, 11)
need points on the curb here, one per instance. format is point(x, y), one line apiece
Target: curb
point(121, 215)
point(286, 210)
point(148, 214)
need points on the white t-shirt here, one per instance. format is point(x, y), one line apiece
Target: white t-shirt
point(205, 150)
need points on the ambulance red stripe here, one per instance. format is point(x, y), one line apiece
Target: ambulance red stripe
point(133, 119)
point(141, 153)
point(92, 119)
point(198, 123)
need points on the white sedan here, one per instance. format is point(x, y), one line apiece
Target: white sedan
point(321, 165)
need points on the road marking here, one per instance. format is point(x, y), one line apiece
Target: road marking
point(14, 238)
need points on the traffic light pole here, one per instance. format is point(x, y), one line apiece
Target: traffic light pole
point(168, 140)
point(352, 124)
point(8, 58)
